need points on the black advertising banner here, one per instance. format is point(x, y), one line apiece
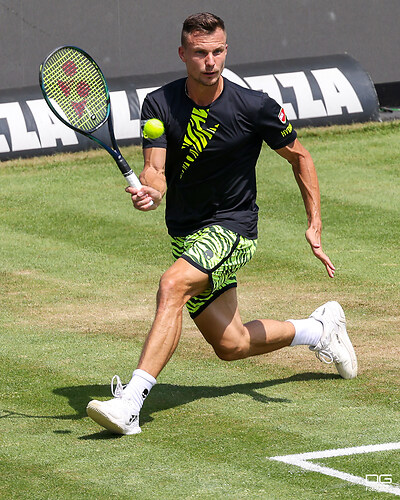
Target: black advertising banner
point(317, 91)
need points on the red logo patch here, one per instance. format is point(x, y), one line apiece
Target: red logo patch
point(83, 89)
point(79, 107)
point(65, 88)
point(282, 116)
point(69, 68)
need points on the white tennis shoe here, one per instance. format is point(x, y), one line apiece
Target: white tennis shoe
point(119, 414)
point(335, 345)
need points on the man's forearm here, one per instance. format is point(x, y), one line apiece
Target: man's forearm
point(307, 180)
point(153, 173)
point(153, 178)
point(306, 177)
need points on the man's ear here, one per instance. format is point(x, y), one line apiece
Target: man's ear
point(181, 52)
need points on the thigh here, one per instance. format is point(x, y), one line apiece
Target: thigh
point(218, 252)
point(220, 323)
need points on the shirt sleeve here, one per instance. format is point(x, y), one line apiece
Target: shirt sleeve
point(150, 109)
point(273, 125)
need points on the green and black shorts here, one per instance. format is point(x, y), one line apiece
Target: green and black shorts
point(218, 252)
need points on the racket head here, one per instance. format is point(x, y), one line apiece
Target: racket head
point(75, 89)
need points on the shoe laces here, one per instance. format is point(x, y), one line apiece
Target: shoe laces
point(325, 356)
point(118, 390)
point(324, 353)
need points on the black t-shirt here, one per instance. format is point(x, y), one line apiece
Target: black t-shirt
point(212, 152)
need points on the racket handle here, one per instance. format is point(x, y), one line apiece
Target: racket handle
point(132, 180)
point(127, 172)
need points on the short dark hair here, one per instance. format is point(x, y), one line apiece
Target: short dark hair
point(203, 22)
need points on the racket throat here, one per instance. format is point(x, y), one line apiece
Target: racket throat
point(123, 165)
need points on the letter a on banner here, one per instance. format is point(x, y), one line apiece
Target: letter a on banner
point(337, 91)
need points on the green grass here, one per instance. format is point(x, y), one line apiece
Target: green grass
point(79, 270)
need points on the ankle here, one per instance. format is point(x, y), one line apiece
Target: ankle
point(139, 387)
point(307, 331)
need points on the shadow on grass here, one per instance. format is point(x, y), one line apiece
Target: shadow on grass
point(166, 396)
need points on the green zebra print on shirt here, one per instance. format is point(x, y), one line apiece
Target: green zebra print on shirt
point(196, 138)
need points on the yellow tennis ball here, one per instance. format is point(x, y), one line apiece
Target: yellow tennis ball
point(153, 128)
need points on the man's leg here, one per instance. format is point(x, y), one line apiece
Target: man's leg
point(222, 327)
point(324, 332)
point(177, 285)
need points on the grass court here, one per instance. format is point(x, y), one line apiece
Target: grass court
point(79, 270)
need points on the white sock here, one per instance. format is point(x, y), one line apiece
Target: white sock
point(308, 331)
point(139, 387)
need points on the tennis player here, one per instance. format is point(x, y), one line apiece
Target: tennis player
point(214, 130)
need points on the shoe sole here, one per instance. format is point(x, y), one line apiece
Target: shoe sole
point(345, 339)
point(101, 418)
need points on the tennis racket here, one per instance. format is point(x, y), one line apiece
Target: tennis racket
point(76, 91)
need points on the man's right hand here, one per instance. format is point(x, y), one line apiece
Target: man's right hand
point(142, 198)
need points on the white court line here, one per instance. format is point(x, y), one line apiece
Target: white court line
point(301, 460)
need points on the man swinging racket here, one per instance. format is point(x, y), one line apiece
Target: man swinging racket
point(214, 131)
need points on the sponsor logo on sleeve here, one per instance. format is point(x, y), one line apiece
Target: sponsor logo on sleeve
point(282, 116)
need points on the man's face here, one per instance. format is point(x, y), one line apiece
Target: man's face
point(204, 55)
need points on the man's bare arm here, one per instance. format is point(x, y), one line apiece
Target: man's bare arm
point(153, 180)
point(306, 176)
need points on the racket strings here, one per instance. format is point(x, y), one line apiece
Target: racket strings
point(76, 85)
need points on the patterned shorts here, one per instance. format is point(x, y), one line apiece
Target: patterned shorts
point(218, 252)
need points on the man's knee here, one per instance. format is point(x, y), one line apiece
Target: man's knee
point(169, 283)
point(171, 289)
point(230, 351)
point(181, 282)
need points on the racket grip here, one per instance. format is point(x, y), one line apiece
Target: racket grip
point(132, 180)
point(127, 172)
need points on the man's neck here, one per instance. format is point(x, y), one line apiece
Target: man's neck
point(203, 95)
